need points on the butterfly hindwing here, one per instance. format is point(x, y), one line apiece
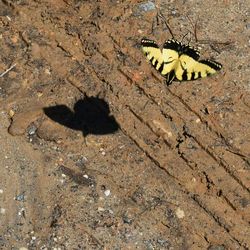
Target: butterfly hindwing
point(190, 69)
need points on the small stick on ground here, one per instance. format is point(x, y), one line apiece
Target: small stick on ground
point(209, 41)
point(7, 70)
point(159, 14)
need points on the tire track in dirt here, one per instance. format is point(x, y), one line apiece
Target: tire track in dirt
point(178, 168)
point(112, 85)
point(196, 130)
point(208, 153)
point(102, 62)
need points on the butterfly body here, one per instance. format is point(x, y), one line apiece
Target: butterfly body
point(177, 61)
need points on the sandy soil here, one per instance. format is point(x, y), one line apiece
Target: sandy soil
point(97, 152)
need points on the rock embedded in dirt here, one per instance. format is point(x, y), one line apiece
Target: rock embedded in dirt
point(21, 121)
point(51, 131)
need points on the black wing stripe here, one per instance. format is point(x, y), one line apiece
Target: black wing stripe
point(184, 75)
point(149, 43)
point(172, 44)
point(193, 76)
point(214, 65)
point(182, 49)
point(189, 51)
point(161, 67)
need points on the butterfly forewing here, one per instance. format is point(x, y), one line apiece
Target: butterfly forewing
point(153, 53)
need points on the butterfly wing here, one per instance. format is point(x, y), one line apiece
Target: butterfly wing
point(191, 69)
point(170, 54)
point(153, 54)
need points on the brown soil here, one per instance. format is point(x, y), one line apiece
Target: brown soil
point(97, 152)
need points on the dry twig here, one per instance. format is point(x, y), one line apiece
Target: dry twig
point(7, 70)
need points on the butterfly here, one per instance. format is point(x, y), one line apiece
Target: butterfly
point(178, 61)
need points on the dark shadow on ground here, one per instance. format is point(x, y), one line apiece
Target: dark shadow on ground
point(91, 116)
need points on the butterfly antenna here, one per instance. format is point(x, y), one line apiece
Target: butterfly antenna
point(184, 37)
point(190, 38)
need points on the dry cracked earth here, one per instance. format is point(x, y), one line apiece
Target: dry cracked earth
point(97, 152)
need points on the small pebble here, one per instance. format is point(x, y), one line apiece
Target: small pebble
point(101, 209)
point(11, 113)
point(111, 211)
point(23, 248)
point(20, 197)
point(21, 212)
point(47, 71)
point(169, 134)
point(102, 151)
point(147, 6)
point(32, 130)
point(2, 210)
point(107, 192)
point(1, 191)
point(85, 176)
point(180, 213)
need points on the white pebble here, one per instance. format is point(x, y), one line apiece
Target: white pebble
point(2, 210)
point(180, 213)
point(85, 176)
point(107, 192)
point(23, 248)
point(101, 209)
point(1, 191)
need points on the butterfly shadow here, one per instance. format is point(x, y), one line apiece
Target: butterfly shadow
point(91, 116)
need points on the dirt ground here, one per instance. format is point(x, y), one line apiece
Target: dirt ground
point(97, 152)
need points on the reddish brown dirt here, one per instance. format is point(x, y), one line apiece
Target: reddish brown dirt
point(175, 175)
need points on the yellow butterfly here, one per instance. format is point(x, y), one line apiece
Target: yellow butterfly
point(177, 61)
